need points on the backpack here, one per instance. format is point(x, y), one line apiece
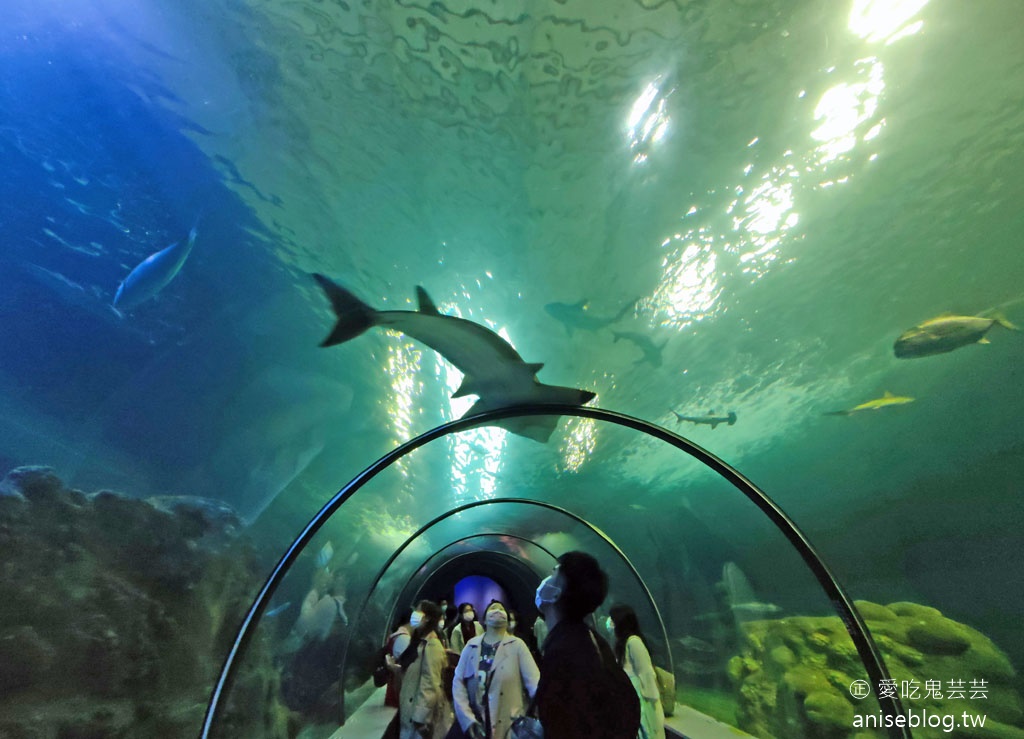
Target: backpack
point(612, 700)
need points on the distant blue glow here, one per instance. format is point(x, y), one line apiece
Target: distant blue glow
point(479, 591)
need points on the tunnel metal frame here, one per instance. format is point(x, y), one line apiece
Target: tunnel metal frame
point(868, 652)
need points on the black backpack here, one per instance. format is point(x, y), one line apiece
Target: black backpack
point(613, 701)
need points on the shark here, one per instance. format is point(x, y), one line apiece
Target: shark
point(577, 316)
point(492, 369)
point(709, 420)
point(947, 332)
point(153, 274)
point(887, 400)
point(652, 352)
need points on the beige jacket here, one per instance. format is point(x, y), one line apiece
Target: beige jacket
point(513, 672)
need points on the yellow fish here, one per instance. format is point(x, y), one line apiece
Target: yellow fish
point(873, 405)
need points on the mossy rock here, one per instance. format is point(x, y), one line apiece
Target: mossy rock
point(809, 696)
point(938, 637)
point(829, 709)
point(914, 610)
point(873, 612)
point(782, 656)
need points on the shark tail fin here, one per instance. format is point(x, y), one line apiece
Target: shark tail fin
point(731, 419)
point(354, 316)
point(426, 304)
point(836, 413)
point(999, 318)
point(625, 309)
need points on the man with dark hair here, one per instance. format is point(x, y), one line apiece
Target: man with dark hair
point(582, 691)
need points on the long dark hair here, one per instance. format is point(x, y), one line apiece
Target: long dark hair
point(468, 627)
point(626, 625)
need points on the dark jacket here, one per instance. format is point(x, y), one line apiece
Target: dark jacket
point(566, 700)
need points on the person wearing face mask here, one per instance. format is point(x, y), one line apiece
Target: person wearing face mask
point(632, 653)
point(465, 629)
point(424, 712)
point(582, 691)
point(494, 671)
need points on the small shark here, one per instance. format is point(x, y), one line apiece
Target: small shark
point(153, 274)
point(754, 608)
point(947, 332)
point(710, 419)
point(492, 369)
point(652, 352)
point(693, 644)
point(576, 316)
point(888, 399)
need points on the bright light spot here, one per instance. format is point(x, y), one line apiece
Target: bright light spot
point(477, 453)
point(402, 365)
point(768, 214)
point(874, 131)
point(692, 210)
point(689, 287)
point(753, 141)
point(908, 31)
point(875, 20)
point(845, 107)
point(648, 120)
point(579, 444)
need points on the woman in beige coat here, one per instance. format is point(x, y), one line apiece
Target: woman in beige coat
point(423, 709)
point(495, 671)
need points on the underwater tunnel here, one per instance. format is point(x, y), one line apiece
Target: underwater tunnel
point(251, 246)
point(507, 542)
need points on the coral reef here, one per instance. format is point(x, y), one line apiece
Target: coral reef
point(793, 675)
point(117, 613)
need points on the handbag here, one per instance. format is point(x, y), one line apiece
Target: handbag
point(527, 727)
point(667, 689)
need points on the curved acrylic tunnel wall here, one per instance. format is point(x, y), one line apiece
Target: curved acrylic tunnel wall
point(724, 598)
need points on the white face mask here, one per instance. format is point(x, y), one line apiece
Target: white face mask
point(497, 618)
point(468, 616)
point(609, 625)
point(511, 625)
point(416, 619)
point(547, 592)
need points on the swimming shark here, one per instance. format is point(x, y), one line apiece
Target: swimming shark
point(947, 332)
point(576, 316)
point(888, 399)
point(491, 368)
point(153, 274)
point(652, 352)
point(709, 420)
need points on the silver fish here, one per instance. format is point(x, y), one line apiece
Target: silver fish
point(945, 333)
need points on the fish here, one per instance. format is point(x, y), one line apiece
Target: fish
point(576, 316)
point(652, 352)
point(888, 399)
point(324, 556)
point(277, 610)
point(153, 274)
point(947, 332)
point(752, 608)
point(491, 367)
point(709, 420)
point(694, 644)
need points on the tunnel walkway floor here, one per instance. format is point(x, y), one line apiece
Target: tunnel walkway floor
point(373, 716)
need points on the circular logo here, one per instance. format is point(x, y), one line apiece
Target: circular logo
point(860, 689)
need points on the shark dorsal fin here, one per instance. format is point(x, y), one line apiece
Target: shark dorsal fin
point(533, 367)
point(711, 412)
point(426, 304)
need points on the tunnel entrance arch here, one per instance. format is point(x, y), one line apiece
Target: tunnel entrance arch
point(838, 599)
